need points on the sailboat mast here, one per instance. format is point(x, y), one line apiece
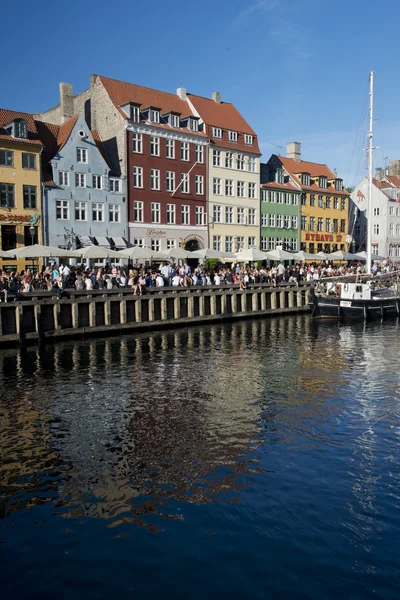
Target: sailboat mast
point(370, 151)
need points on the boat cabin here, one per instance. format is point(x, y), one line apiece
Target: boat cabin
point(353, 290)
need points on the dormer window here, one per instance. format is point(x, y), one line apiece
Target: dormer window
point(154, 115)
point(217, 132)
point(232, 136)
point(322, 182)
point(175, 121)
point(135, 114)
point(305, 179)
point(248, 139)
point(279, 176)
point(18, 129)
point(193, 124)
point(339, 185)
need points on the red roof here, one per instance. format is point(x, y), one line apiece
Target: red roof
point(8, 116)
point(280, 186)
point(121, 92)
point(225, 116)
point(394, 180)
point(294, 167)
point(65, 131)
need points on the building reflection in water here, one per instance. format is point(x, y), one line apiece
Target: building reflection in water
point(129, 427)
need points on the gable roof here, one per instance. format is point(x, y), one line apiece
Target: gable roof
point(121, 92)
point(54, 138)
point(225, 116)
point(7, 116)
point(294, 167)
point(393, 180)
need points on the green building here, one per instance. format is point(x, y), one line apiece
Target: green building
point(280, 210)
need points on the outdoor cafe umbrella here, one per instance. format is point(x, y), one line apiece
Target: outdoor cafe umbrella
point(178, 253)
point(250, 255)
point(341, 255)
point(40, 251)
point(279, 254)
point(321, 256)
point(207, 253)
point(301, 255)
point(363, 256)
point(92, 252)
point(138, 253)
point(7, 254)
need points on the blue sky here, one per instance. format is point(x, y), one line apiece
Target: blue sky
point(296, 69)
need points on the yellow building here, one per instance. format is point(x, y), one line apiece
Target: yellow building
point(324, 223)
point(20, 185)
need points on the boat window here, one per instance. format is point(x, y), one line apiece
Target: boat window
point(358, 288)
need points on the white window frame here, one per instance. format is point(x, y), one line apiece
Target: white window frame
point(138, 242)
point(82, 156)
point(229, 215)
point(97, 179)
point(175, 121)
point(185, 153)
point(80, 180)
point(185, 214)
point(229, 160)
point(137, 143)
point(114, 213)
point(63, 178)
point(228, 243)
point(115, 183)
point(240, 162)
point(200, 215)
point(264, 219)
point(81, 207)
point(138, 211)
point(217, 132)
point(171, 214)
point(240, 189)
point(135, 114)
point(170, 149)
point(272, 220)
point(155, 244)
point(217, 213)
point(252, 164)
point(155, 212)
point(217, 241)
point(232, 136)
point(154, 145)
point(171, 244)
point(217, 186)
point(248, 139)
point(252, 190)
point(199, 154)
point(216, 158)
point(155, 179)
point(98, 212)
point(199, 185)
point(154, 116)
point(240, 216)
point(228, 187)
point(185, 183)
point(63, 207)
point(137, 177)
point(170, 181)
point(251, 241)
point(252, 216)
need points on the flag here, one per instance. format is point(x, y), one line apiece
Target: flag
point(360, 194)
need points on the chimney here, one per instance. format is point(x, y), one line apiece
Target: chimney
point(93, 78)
point(378, 173)
point(293, 150)
point(181, 93)
point(66, 102)
point(394, 168)
point(216, 96)
point(335, 172)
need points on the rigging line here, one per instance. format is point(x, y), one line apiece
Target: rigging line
point(362, 117)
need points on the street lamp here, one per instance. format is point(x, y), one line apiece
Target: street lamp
point(32, 231)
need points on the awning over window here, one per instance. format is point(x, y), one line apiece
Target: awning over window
point(85, 241)
point(103, 241)
point(119, 242)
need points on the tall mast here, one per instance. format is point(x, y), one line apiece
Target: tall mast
point(370, 151)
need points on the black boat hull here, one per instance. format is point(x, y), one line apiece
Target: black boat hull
point(325, 307)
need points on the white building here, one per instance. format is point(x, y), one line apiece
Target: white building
point(385, 235)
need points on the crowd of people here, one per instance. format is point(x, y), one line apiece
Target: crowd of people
point(59, 278)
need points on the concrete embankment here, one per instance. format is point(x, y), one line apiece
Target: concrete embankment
point(44, 316)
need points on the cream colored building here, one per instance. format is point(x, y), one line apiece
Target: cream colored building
point(233, 175)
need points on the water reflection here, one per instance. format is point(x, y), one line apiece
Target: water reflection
point(130, 429)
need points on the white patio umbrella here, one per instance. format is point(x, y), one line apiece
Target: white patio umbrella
point(341, 255)
point(92, 252)
point(363, 256)
point(7, 254)
point(321, 255)
point(207, 253)
point(40, 251)
point(137, 253)
point(279, 254)
point(178, 253)
point(301, 255)
point(250, 255)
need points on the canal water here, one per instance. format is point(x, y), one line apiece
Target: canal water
point(247, 460)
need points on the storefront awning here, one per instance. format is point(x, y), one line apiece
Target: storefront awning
point(85, 241)
point(119, 242)
point(103, 241)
